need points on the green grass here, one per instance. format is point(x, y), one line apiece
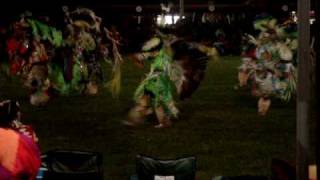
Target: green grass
point(219, 125)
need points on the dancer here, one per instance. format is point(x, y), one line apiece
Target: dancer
point(87, 43)
point(19, 153)
point(54, 63)
point(176, 65)
point(268, 62)
point(28, 45)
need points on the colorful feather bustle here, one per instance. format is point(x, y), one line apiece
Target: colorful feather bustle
point(268, 62)
point(191, 61)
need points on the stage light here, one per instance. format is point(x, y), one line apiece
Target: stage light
point(295, 17)
point(163, 20)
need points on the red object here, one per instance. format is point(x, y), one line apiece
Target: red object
point(15, 68)
point(12, 45)
point(15, 46)
point(19, 156)
point(251, 53)
point(22, 49)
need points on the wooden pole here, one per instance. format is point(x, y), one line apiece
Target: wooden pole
point(304, 86)
point(317, 76)
point(181, 8)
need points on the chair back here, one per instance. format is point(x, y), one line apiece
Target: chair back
point(179, 169)
point(66, 164)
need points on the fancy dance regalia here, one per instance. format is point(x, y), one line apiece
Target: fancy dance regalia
point(269, 62)
point(28, 45)
point(51, 62)
point(176, 66)
point(85, 49)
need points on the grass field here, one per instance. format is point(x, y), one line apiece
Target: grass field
point(219, 125)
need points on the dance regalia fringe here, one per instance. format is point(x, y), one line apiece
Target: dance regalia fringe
point(158, 85)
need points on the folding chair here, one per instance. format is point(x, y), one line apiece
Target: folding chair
point(148, 168)
point(66, 164)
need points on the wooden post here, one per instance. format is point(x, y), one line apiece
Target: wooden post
point(317, 76)
point(181, 8)
point(304, 86)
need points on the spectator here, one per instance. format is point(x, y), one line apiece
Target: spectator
point(19, 153)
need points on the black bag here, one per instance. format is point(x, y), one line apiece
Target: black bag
point(80, 165)
point(181, 169)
